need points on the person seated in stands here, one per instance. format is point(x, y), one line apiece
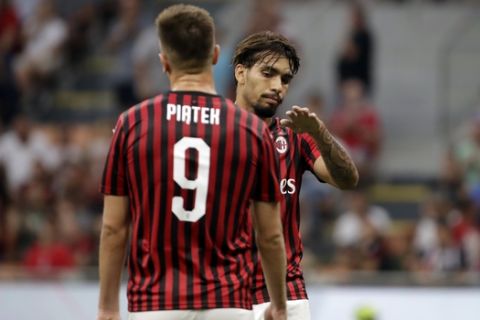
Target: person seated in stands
point(357, 124)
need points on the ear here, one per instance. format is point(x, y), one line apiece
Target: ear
point(240, 74)
point(165, 63)
point(216, 54)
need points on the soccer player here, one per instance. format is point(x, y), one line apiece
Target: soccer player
point(265, 63)
point(181, 171)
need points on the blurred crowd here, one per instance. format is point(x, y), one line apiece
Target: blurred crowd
point(50, 207)
point(346, 231)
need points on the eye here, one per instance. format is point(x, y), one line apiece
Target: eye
point(266, 73)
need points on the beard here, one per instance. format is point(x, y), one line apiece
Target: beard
point(267, 111)
point(264, 112)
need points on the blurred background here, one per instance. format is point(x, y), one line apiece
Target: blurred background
point(398, 82)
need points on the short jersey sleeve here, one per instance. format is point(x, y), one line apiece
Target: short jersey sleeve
point(267, 185)
point(309, 150)
point(114, 181)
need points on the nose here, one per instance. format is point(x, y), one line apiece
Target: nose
point(276, 85)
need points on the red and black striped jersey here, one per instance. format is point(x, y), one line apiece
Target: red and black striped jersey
point(189, 163)
point(296, 153)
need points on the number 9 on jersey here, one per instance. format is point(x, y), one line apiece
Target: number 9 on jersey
point(200, 184)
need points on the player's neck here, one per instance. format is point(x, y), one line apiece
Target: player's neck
point(202, 82)
point(268, 121)
point(239, 101)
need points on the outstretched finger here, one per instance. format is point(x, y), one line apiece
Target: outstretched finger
point(292, 114)
point(287, 123)
point(299, 109)
point(312, 115)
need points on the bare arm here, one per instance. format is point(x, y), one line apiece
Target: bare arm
point(113, 243)
point(271, 245)
point(335, 166)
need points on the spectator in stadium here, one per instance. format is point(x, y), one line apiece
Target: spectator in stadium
point(119, 46)
point(466, 232)
point(431, 216)
point(451, 182)
point(10, 43)
point(446, 256)
point(357, 124)
point(398, 254)
point(47, 256)
point(21, 149)
point(361, 229)
point(265, 15)
point(69, 151)
point(147, 72)
point(83, 29)
point(467, 154)
point(26, 8)
point(316, 102)
point(318, 201)
point(4, 203)
point(355, 61)
point(73, 231)
point(45, 34)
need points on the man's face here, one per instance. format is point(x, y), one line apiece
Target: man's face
point(264, 85)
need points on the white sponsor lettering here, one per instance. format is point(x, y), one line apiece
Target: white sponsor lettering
point(287, 186)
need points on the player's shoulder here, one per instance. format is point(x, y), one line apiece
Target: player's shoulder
point(236, 108)
point(134, 113)
point(230, 105)
point(140, 105)
point(247, 120)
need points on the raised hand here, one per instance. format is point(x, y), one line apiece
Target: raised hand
point(335, 165)
point(302, 120)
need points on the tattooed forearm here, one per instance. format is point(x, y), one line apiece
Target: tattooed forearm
point(340, 166)
point(336, 158)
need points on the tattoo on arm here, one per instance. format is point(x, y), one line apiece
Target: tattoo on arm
point(336, 158)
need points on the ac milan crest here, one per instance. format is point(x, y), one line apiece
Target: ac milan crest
point(281, 144)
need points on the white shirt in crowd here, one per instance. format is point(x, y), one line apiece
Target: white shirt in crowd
point(19, 158)
point(348, 229)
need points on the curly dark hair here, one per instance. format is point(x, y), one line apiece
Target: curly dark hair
point(262, 45)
